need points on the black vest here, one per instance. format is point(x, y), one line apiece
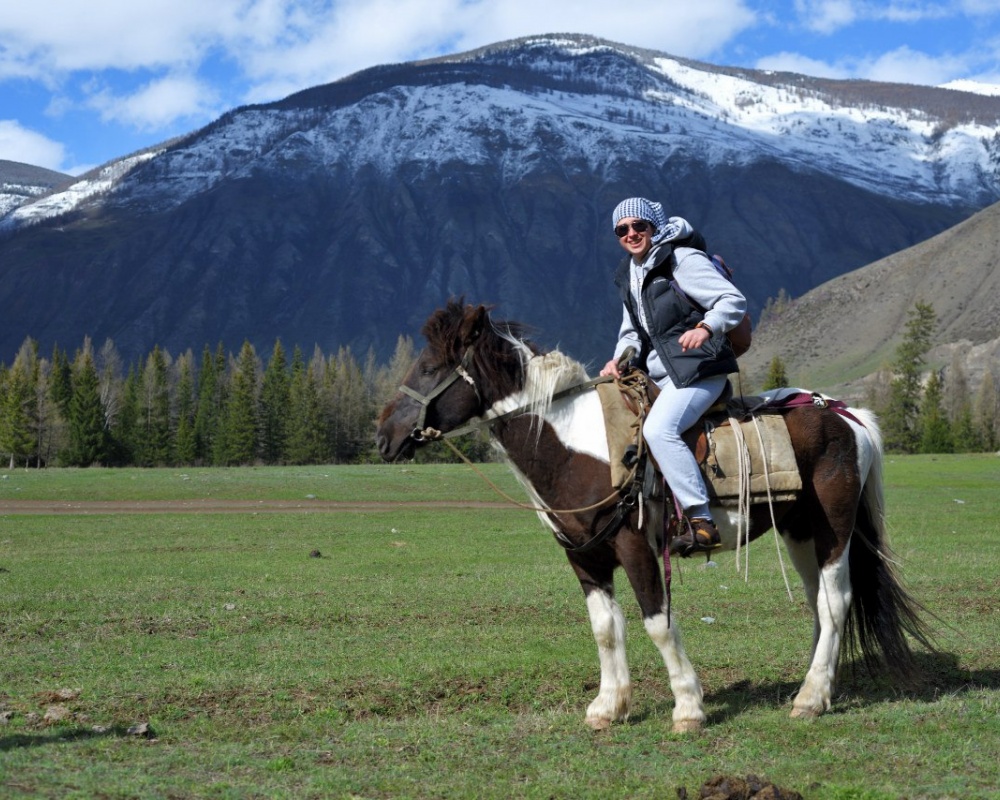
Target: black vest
point(669, 314)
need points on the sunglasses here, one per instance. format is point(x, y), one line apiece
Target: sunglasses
point(639, 226)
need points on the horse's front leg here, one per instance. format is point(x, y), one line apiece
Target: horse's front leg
point(642, 567)
point(830, 599)
point(608, 624)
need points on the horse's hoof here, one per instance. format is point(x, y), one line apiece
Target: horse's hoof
point(687, 726)
point(598, 723)
point(805, 713)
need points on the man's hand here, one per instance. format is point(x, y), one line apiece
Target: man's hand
point(611, 369)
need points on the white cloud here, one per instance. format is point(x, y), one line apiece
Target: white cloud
point(904, 65)
point(311, 49)
point(686, 29)
point(286, 44)
point(826, 16)
point(18, 143)
point(158, 104)
point(830, 16)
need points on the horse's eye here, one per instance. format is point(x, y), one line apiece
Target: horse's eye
point(428, 369)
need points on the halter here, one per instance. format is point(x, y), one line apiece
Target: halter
point(461, 371)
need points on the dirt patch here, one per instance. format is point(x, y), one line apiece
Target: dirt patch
point(731, 787)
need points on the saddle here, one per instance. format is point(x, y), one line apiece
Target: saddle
point(741, 444)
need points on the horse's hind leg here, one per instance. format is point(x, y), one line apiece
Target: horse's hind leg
point(803, 555)
point(831, 606)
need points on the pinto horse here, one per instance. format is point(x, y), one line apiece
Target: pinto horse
point(476, 368)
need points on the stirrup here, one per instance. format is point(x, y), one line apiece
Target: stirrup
point(701, 536)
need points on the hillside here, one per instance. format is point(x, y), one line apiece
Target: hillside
point(846, 328)
point(22, 183)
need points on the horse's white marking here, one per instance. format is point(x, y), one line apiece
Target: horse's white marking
point(729, 522)
point(833, 602)
point(803, 555)
point(869, 439)
point(615, 696)
point(578, 421)
point(689, 711)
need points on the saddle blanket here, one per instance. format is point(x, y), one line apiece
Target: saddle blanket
point(761, 450)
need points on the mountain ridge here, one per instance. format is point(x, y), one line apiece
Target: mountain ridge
point(341, 215)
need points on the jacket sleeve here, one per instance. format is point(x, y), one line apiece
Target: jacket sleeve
point(724, 304)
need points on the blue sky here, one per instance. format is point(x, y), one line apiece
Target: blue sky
point(82, 83)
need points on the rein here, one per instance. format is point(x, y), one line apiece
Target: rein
point(626, 503)
point(432, 434)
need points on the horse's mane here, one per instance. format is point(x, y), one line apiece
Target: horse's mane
point(505, 358)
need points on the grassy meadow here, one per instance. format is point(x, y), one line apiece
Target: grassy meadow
point(446, 652)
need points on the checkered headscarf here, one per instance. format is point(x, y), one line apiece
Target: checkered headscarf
point(641, 208)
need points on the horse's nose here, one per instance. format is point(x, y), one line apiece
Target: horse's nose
point(382, 442)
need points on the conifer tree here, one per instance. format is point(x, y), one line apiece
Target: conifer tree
point(185, 451)
point(935, 432)
point(305, 438)
point(61, 388)
point(206, 411)
point(899, 419)
point(274, 402)
point(987, 412)
point(220, 432)
point(87, 436)
point(777, 377)
point(965, 438)
point(242, 412)
point(154, 439)
point(125, 433)
point(18, 421)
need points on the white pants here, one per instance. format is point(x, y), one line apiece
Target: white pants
point(674, 411)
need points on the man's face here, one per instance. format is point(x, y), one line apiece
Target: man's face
point(635, 236)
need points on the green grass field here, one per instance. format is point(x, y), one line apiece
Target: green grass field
point(446, 652)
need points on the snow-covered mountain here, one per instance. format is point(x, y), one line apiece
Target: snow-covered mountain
point(668, 106)
point(493, 174)
point(22, 183)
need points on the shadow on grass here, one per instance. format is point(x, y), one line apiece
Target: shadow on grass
point(21, 740)
point(940, 675)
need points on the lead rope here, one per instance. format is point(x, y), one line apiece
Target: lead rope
point(526, 506)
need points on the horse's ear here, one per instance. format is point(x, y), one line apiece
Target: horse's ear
point(473, 325)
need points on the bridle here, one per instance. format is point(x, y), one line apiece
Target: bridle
point(419, 433)
point(626, 500)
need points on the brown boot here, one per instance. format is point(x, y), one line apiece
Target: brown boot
point(699, 536)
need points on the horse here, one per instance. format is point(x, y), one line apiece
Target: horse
point(478, 370)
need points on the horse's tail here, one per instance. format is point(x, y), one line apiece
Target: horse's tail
point(883, 613)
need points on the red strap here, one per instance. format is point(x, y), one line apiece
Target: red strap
point(818, 401)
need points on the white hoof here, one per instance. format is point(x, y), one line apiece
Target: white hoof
point(687, 726)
